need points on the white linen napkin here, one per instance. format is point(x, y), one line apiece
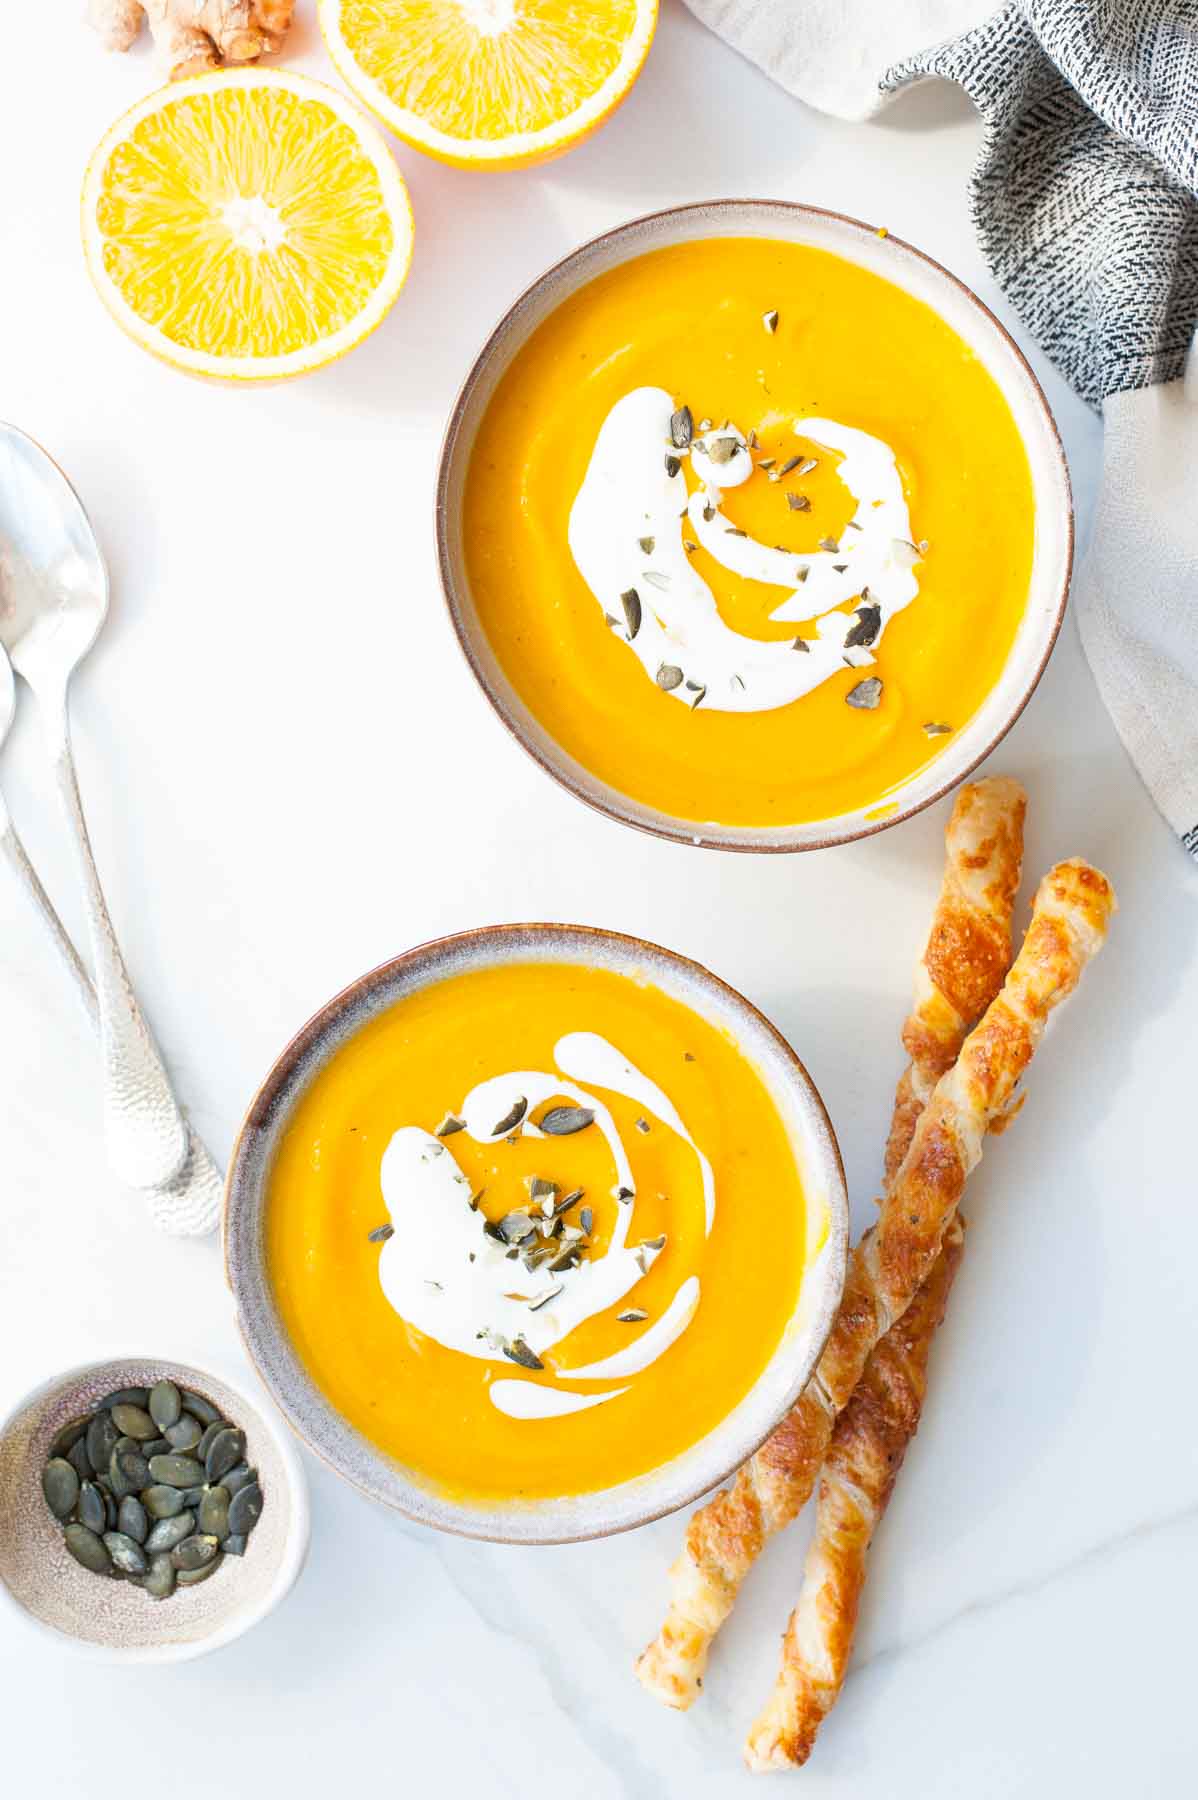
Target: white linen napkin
point(1084, 203)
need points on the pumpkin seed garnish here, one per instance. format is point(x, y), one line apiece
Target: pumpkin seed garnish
point(647, 544)
point(655, 579)
point(625, 1194)
point(515, 1226)
point(770, 321)
point(720, 450)
point(937, 730)
point(511, 1119)
point(867, 694)
point(544, 1299)
point(630, 600)
point(449, 1124)
point(798, 503)
point(611, 621)
point(380, 1234)
point(699, 691)
point(767, 462)
point(708, 512)
point(735, 531)
point(586, 1219)
point(811, 464)
point(801, 643)
point(751, 440)
point(829, 543)
point(865, 631)
point(539, 1188)
point(564, 1121)
point(682, 428)
point(633, 1316)
point(802, 572)
point(854, 526)
point(642, 1125)
point(476, 1197)
point(792, 462)
point(569, 1200)
point(672, 468)
point(738, 682)
point(669, 676)
point(689, 547)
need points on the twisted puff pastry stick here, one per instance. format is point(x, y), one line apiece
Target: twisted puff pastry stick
point(960, 973)
point(962, 967)
point(1070, 917)
point(864, 1458)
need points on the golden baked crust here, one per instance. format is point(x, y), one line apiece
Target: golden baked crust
point(886, 1269)
point(862, 1465)
point(983, 853)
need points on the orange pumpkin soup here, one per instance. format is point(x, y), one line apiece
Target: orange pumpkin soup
point(750, 530)
point(536, 1229)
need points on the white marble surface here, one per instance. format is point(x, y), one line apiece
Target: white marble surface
point(277, 739)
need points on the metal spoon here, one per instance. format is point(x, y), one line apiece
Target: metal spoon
point(53, 601)
point(14, 853)
point(189, 1204)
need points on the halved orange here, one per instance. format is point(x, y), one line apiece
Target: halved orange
point(490, 83)
point(248, 223)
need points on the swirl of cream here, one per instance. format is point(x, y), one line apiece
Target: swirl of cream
point(444, 1273)
point(625, 536)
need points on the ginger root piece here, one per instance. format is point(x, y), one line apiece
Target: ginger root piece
point(194, 35)
point(1071, 914)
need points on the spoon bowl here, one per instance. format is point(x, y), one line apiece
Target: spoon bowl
point(53, 582)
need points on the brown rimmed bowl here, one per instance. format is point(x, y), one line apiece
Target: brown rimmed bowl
point(573, 1517)
point(916, 274)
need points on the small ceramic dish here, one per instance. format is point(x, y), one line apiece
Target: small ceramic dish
point(113, 1620)
point(916, 274)
point(573, 1517)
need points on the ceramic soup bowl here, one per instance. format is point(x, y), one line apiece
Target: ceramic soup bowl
point(789, 1094)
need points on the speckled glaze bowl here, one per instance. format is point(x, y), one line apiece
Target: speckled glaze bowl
point(569, 1518)
point(112, 1620)
point(916, 274)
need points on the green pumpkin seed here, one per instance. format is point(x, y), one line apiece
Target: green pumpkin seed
point(60, 1485)
point(184, 1434)
point(68, 1435)
point(160, 1582)
point(225, 1451)
point(189, 1577)
point(130, 1396)
point(169, 1532)
point(87, 1549)
point(245, 1509)
point(111, 1511)
point(102, 1435)
point(157, 1447)
point(134, 1422)
point(128, 1470)
point(238, 1478)
point(193, 1495)
point(128, 1557)
point(211, 1433)
point(194, 1553)
point(165, 1404)
point(79, 1460)
point(93, 1509)
point(132, 1520)
point(199, 1408)
point(234, 1544)
point(163, 1502)
point(214, 1513)
point(177, 1471)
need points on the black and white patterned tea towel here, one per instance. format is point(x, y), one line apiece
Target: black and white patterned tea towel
point(1085, 200)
